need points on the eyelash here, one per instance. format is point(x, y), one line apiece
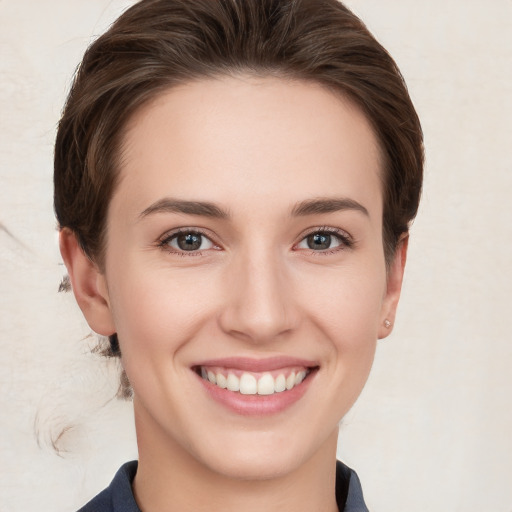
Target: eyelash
point(164, 242)
point(344, 239)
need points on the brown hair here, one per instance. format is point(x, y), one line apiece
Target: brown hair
point(156, 44)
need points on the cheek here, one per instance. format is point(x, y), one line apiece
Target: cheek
point(353, 331)
point(348, 315)
point(156, 315)
point(346, 301)
point(158, 310)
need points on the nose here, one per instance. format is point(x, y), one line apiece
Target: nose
point(259, 304)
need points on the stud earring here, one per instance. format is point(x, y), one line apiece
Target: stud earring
point(387, 324)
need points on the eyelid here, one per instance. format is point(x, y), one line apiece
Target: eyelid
point(346, 239)
point(163, 240)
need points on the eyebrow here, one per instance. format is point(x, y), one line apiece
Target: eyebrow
point(327, 205)
point(206, 209)
point(200, 208)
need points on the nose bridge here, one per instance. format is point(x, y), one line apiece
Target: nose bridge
point(259, 305)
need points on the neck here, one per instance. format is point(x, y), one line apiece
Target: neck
point(169, 479)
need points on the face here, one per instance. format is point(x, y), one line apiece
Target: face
point(244, 271)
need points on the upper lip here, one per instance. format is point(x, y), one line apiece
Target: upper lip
point(249, 364)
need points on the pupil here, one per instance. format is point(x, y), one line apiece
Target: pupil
point(189, 242)
point(319, 241)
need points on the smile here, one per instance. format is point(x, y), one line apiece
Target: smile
point(254, 386)
point(249, 383)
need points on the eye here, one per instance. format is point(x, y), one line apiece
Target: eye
point(324, 240)
point(187, 241)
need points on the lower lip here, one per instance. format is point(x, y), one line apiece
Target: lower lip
point(257, 405)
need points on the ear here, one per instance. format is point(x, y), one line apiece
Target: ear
point(394, 287)
point(88, 284)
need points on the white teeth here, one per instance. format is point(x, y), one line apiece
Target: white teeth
point(299, 377)
point(248, 384)
point(222, 382)
point(233, 382)
point(280, 384)
point(266, 385)
point(290, 381)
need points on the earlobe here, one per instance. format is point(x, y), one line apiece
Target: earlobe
point(88, 284)
point(394, 287)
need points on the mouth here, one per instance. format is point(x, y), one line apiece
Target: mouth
point(254, 383)
point(256, 386)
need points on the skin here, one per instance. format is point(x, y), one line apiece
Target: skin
point(256, 148)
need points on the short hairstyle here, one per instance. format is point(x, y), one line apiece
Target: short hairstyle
point(157, 44)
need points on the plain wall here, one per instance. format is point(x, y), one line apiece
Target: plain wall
point(433, 428)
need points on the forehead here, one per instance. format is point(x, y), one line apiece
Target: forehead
point(243, 137)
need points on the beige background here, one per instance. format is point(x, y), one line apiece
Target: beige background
point(433, 429)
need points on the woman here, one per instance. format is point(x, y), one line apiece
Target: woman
point(234, 181)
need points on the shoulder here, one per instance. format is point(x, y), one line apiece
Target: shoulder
point(118, 496)
point(349, 494)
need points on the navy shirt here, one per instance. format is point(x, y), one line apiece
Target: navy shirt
point(118, 496)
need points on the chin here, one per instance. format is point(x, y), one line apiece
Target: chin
point(258, 465)
point(264, 456)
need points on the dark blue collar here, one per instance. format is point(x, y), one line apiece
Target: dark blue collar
point(118, 496)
